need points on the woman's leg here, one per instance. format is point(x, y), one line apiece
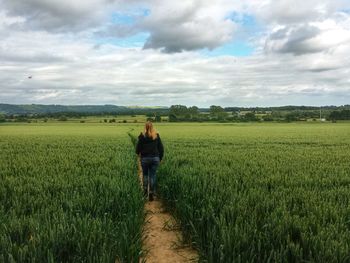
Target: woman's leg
point(152, 173)
point(145, 173)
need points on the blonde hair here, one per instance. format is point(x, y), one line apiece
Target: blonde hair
point(150, 131)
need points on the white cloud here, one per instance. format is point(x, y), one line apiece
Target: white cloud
point(313, 37)
point(187, 25)
point(134, 76)
point(63, 15)
point(181, 26)
point(296, 11)
point(307, 59)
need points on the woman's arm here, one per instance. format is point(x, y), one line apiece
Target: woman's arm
point(160, 148)
point(138, 146)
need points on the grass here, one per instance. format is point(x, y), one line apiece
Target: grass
point(242, 192)
point(260, 192)
point(68, 194)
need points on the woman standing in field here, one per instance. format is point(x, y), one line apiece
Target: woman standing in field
point(150, 149)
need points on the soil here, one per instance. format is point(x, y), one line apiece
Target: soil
point(162, 240)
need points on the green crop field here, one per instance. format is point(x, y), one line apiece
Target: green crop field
point(68, 193)
point(261, 193)
point(241, 192)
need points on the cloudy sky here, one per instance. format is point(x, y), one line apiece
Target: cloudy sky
point(192, 52)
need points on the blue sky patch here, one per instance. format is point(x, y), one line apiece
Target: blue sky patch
point(121, 18)
point(127, 18)
point(136, 40)
point(242, 19)
point(235, 48)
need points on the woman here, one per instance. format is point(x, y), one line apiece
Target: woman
point(151, 150)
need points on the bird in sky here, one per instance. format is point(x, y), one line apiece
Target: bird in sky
point(29, 77)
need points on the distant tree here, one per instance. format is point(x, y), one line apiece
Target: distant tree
point(172, 118)
point(334, 115)
point(291, 117)
point(193, 111)
point(82, 121)
point(2, 118)
point(124, 121)
point(250, 116)
point(267, 118)
point(178, 110)
point(111, 120)
point(222, 116)
point(340, 115)
point(105, 120)
point(63, 118)
point(158, 118)
point(233, 118)
point(218, 112)
point(182, 113)
point(21, 119)
point(277, 114)
point(215, 110)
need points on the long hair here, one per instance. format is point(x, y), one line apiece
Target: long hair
point(150, 131)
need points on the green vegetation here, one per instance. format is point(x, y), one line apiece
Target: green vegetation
point(260, 193)
point(73, 110)
point(68, 193)
point(176, 113)
point(248, 192)
point(181, 113)
point(340, 115)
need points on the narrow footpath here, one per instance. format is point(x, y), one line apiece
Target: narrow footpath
point(162, 240)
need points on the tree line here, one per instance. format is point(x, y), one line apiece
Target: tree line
point(340, 115)
point(182, 113)
point(178, 113)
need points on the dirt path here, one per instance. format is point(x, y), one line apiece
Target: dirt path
point(162, 239)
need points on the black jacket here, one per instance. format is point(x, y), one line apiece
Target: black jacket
point(148, 147)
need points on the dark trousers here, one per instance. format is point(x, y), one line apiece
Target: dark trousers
point(149, 169)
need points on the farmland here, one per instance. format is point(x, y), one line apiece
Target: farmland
point(68, 195)
point(241, 192)
point(261, 193)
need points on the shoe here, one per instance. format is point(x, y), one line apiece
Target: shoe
point(150, 197)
